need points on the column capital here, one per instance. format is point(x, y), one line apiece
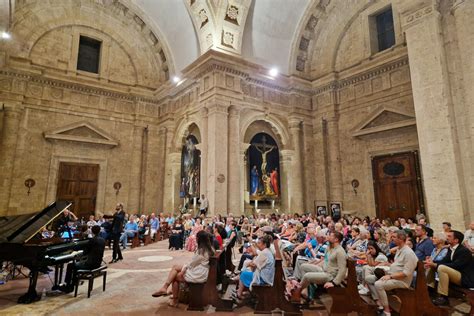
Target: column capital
point(417, 10)
point(203, 111)
point(295, 123)
point(11, 110)
point(234, 111)
point(243, 148)
point(217, 108)
point(286, 155)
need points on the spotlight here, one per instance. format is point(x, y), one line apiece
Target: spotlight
point(273, 72)
point(176, 79)
point(6, 35)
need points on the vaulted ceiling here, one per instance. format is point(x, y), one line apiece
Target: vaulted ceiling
point(261, 31)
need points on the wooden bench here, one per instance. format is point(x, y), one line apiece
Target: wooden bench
point(468, 294)
point(269, 297)
point(135, 241)
point(90, 275)
point(203, 294)
point(417, 301)
point(146, 238)
point(347, 299)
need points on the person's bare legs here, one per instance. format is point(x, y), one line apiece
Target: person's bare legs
point(171, 278)
point(240, 290)
point(175, 289)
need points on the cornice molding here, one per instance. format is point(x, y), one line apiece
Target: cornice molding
point(57, 83)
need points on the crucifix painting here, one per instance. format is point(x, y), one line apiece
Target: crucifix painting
point(264, 168)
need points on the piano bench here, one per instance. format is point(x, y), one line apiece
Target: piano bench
point(90, 275)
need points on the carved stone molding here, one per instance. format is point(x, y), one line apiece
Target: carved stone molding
point(384, 119)
point(83, 132)
point(412, 18)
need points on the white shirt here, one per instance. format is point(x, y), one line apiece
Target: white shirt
point(469, 236)
point(204, 203)
point(453, 249)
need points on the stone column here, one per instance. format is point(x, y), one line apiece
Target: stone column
point(162, 137)
point(334, 159)
point(8, 143)
point(175, 162)
point(171, 152)
point(297, 187)
point(434, 112)
point(204, 153)
point(235, 163)
point(463, 11)
point(286, 183)
point(244, 177)
point(217, 158)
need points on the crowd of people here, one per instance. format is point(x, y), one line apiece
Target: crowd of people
point(386, 252)
point(314, 248)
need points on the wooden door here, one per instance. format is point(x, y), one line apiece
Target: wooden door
point(397, 185)
point(78, 184)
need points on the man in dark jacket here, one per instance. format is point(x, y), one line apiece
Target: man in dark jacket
point(93, 255)
point(116, 232)
point(457, 267)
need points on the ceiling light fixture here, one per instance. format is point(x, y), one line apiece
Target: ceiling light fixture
point(273, 72)
point(176, 79)
point(6, 35)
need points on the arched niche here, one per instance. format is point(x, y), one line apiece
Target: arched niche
point(262, 126)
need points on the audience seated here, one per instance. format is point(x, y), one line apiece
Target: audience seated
point(424, 245)
point(399, 275)
point(259, 270)
point(177, 234)
point(154, 225)
point(457, 267)
point(131, 228)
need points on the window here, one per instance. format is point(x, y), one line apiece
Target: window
point(385, 30)
point(89, 54)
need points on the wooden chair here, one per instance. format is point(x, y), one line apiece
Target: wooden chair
point(270, 298)
point(347, 299)
point(417, 301)
point(203, 294)
point(90, 275)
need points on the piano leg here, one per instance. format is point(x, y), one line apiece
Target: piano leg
point(31, 296)
point(58, 276)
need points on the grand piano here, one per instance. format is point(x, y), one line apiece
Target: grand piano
point(21, 244)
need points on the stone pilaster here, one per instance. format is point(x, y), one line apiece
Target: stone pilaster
point(175, 164)
point(463, 12)
point(204, 154)
point(217, 148)
point(439, 154)
point(234, 163)
point(297, 182)
point(8, 143)
point(244, 176)
point(286, 176)
point(170, 157)
point(334, 159)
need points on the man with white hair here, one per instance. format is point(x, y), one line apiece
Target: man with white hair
point(313, 255)
point(469, 238)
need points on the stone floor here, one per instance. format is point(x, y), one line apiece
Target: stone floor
point(130, 284)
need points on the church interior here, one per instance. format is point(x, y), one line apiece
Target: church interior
point(181, 116)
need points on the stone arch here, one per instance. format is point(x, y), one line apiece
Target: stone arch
point(271, 124)
point(182, 130)
point(122, 44)
point(29, 31)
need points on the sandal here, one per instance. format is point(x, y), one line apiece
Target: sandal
point(160, 293)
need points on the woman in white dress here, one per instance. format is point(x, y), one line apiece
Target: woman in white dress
point(195, 272)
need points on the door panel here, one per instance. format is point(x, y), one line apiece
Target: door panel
point(77, 183)
point(396, 185)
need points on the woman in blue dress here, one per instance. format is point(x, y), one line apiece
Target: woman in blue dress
point(254, 181)
point(261, 270)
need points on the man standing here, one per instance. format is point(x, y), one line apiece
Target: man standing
point(400, 274)
point(457, 267)
point(204, 205)
point(116, 232)
point(93, 254)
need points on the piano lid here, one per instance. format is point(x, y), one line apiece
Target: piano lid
point(21, 228)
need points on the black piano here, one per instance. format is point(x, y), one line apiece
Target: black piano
point(21, 244)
